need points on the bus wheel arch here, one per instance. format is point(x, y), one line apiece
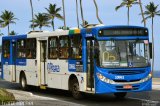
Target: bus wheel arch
point(74, 87)
point(23, 80)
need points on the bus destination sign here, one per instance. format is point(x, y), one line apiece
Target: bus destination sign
point(124, 32)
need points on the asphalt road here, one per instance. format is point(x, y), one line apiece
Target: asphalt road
point(35, 96)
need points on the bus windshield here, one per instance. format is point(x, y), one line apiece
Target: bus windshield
point(123, 53)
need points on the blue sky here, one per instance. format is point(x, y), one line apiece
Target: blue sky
point(22, 11)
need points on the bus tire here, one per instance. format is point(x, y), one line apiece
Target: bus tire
point(120, 95)
point(75, 89)
point(23, 82)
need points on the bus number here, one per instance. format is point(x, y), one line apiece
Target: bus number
point(119, 77)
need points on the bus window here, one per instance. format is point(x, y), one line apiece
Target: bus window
point(6, 49)
point(76, 47)
point(63, 47)
point(31, 48)
point(21, 48)
point(52, 48)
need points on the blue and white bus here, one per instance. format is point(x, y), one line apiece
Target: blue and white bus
point(99, 60)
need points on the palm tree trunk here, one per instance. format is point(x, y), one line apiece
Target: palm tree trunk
point(128, 15)
point(77, 13)
point(64, 15)
point(40, 28)
point(141, 8)
point(97, 12)
point(152, 45)
point(8, 30)
point(52, 24)
point(82, 13)
point(32, 13)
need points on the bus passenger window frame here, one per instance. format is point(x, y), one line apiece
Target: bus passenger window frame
point(67, 47)
point(21, 49)
point(53, 48)
point(7, 49)
point(32, 43)
point(78, 46)
point(28, 46)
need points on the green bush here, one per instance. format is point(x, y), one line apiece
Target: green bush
point(6, 97)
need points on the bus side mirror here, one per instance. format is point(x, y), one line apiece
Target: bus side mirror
point(150, 50)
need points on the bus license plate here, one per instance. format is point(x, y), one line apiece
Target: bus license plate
point(127, 86)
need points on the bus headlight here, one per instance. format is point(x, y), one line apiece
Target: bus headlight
point(146, 79)
point(104, 79)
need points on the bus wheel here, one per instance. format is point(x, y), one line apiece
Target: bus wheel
point(120, 95)
point(23, 82)
point(75, 90)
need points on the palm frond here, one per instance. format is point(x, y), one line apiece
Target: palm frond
point(121, 5)
point(40, 20)
point(151, 10)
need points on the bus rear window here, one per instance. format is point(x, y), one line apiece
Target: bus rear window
point(6, 49)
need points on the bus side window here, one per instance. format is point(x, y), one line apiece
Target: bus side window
point(31, 48)
point(63, 47)
point(76, 47)
point(21, 45)
point(6, 49)
point(53, 48)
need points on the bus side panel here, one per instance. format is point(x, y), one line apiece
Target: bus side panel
point(58, 75)
point(30, 71)
point(56, 71)
point(7, 72)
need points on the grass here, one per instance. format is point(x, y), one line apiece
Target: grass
point(6, 97)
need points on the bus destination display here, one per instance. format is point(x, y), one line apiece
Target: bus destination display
point(124, 32)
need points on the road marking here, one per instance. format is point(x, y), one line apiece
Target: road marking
point(51, 98)
point(151, 101)
point(156, 87)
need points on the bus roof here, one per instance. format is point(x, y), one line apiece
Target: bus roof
point(66, 32)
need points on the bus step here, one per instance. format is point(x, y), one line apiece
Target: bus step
point(43, 87)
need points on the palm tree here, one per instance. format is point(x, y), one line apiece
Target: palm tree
point(77, 13)
point(6, 19)
point(151, 12)
point(13, 33)
point(32, 12)
point(128, 4)
point(64, 13)
point(53, 13)
point(40, 20)
point(1, 33)
point(83, 21)
point(141, 8)
point(95, 3)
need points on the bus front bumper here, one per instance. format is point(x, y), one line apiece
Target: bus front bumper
point(104, 88)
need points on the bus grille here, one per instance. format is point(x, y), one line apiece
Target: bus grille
point(126, 72)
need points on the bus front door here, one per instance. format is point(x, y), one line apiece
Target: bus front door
point(43, 46)
point(90, 66)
